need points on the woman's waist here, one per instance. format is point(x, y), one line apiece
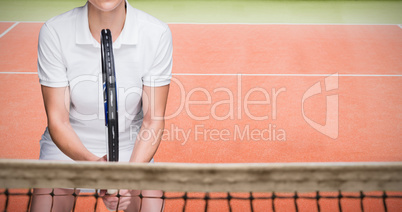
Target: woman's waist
point(96, 138)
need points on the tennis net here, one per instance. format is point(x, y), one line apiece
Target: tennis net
point(363, 186)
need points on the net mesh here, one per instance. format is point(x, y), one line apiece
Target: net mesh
point(206, 187)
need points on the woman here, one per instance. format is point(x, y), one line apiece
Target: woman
point(69, 70)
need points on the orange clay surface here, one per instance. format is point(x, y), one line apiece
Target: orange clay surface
point(367, 59)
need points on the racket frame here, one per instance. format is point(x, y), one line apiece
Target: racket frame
point(110, 95)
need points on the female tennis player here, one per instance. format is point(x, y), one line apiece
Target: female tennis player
point(69, 69)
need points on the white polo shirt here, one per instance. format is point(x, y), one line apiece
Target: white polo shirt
point(68, 55)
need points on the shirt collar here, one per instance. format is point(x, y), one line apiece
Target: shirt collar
point(128, 36)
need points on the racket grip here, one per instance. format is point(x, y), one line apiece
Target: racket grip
point(111, 191)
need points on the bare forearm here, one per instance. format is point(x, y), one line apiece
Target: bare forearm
point(68, 142)
point(148, 140)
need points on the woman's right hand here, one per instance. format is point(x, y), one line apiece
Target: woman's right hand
point(102, 159)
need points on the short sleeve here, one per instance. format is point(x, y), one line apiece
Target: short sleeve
point(51, 69)
point(160, 72)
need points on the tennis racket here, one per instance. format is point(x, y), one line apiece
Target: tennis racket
point(110, 97)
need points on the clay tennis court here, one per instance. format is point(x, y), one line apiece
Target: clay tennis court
point(286, 58)
point(247, 93)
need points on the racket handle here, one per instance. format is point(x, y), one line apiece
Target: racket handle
point(111, 191)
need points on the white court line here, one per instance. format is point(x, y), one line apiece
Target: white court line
point(231, 23)
point(292, 75)
point(16, 73)
point(10, 28)
point(347, 24)
point(400, 26)
point(267, 75)
point(22, 22)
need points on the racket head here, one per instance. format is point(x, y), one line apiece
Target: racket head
point(110, 95)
